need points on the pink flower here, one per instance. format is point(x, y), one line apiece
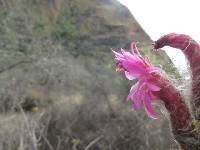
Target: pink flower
point(137, 67)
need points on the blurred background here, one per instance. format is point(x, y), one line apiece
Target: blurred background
point(159, 17)
point(58, 85)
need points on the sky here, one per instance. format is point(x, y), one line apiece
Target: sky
point(159, 17)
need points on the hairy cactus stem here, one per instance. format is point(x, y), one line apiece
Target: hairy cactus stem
point(191, 49)
point(181, 120)
point(188, 136)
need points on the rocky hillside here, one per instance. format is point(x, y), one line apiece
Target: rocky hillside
point(58, 86)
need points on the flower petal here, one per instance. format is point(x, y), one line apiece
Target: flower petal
point(129, 76)
point(135, 97)
point(148, 107)
point(137, 102)
point(132, 91)
point(134, 48)
point(153, 87)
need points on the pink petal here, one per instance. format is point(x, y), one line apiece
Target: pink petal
point(132, 91)
point(135, 97)
point(117, 55)
point(137, 102)
point(123, 51)
point(153, 87)
point(148, 107)
point(134, 48)
point(134, 69)
point(129, 76)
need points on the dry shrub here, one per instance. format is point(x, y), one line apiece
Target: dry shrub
point(20, 131)
point(92, 124)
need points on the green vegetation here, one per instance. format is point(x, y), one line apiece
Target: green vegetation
point(39, 26)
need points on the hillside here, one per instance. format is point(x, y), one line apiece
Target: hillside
point(58, 85)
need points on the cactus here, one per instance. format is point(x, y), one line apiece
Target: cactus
point(152, 86)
